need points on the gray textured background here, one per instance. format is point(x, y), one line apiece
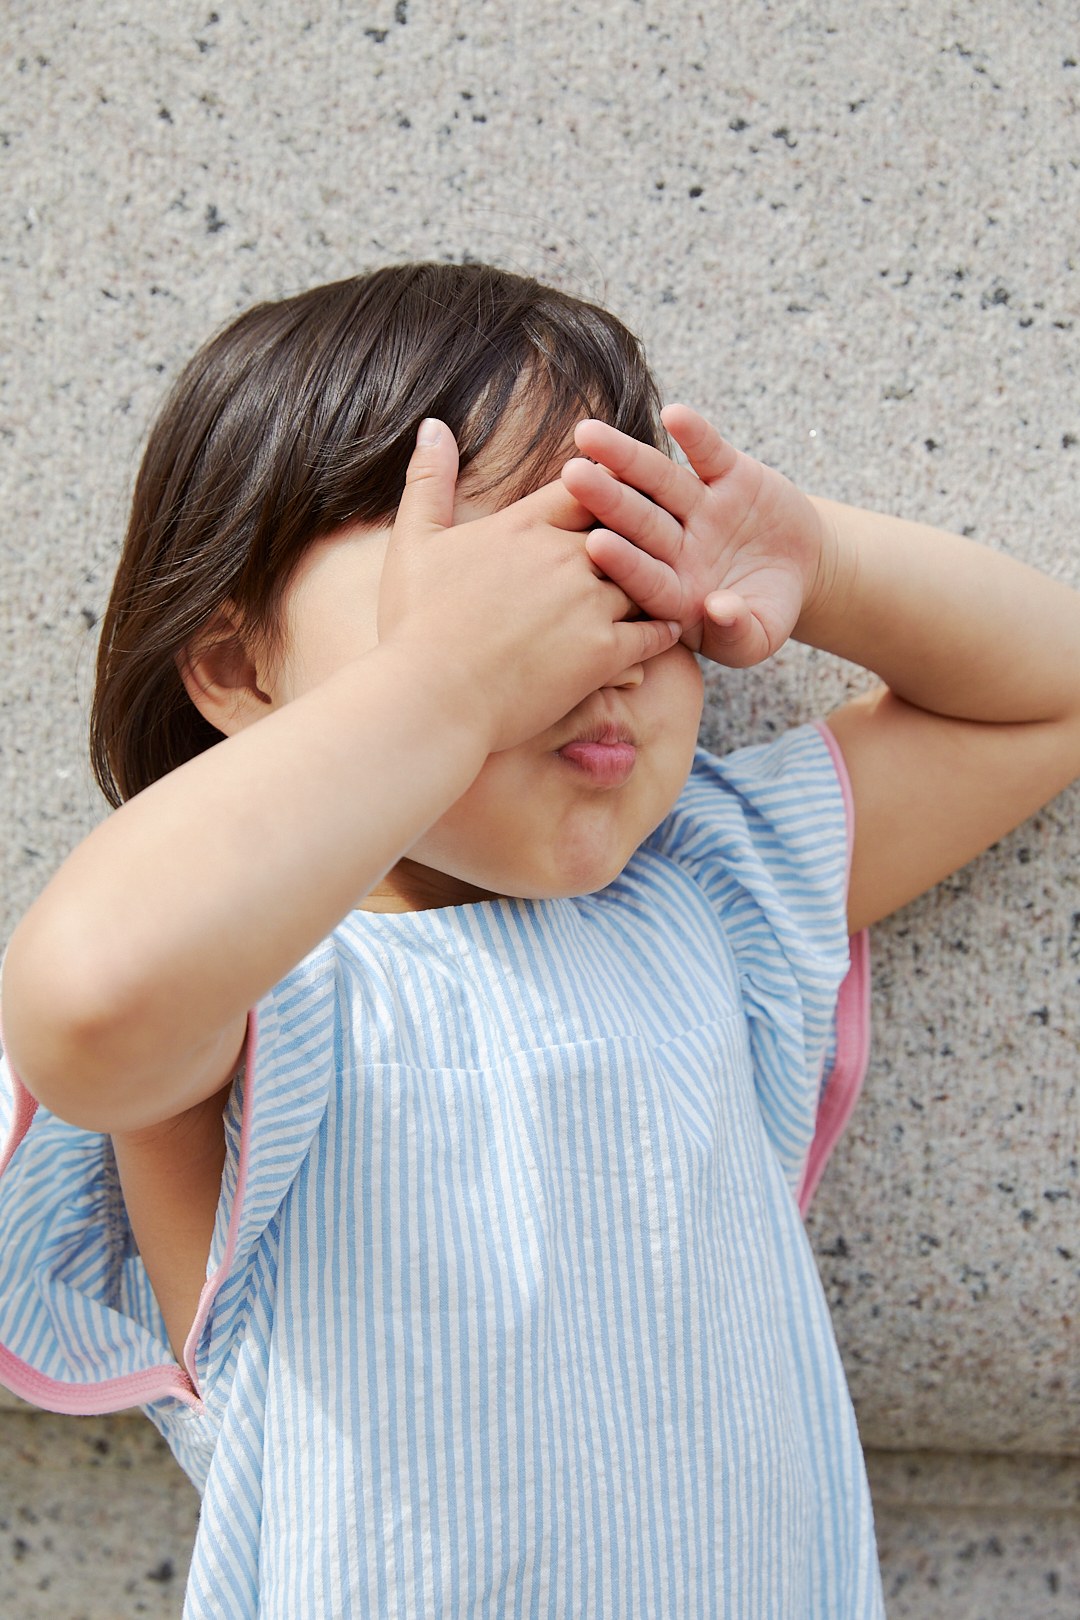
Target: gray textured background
point(848, 231)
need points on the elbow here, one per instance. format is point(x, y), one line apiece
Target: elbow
point(58, 1026)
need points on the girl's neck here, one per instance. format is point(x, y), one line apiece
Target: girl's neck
point(408, 886)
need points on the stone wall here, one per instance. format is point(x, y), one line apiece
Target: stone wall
point(849, 232)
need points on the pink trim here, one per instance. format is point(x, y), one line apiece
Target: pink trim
point(151, 1383)
point(25, 1109)
point(840, 767)
point(90, 1400)
point(212, 1284)
point(845, 1080)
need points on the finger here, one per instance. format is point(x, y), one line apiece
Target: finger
point(647, 581)
point(706, 449)
point(642, 466)
point(733, 635)
point(427, 502)
point(555, 504)
point(644, 638)
point(623, 509)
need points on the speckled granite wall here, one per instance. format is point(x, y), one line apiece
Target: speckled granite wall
point(850, 232)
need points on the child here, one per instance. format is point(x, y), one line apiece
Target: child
point(433, 1051)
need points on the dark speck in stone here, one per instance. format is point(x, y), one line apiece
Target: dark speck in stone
point(1068, 440)
point(1028, 320)
point(1006, 1187)
point(401, 12)
point(164, 1571)
point(1074, 938)
point(165, 115)
point(1070, 61)
point(404, 123)
point(853, 106)
point(784, 134)
point(377, 34)
point(214, 221)
point(479, 118)
point(212, 19)
point(1023, 855)
point(738, 125)
point(1053, 1580)
point(1066, 1254)
point(667, 296)
point(838, 1250)
point(968, 530)
point(996, 295)
point(695, 191)
point(1027, 1217)
point(1053, 1195)
point(204, 46)
point(659, 184)
point(20, 1547)
point(91, 619)
point(1041, 1015)
point(932, 444)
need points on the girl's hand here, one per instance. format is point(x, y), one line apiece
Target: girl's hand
point(732, 549)
point(522, 622)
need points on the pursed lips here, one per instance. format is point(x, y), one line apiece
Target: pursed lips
point(603, 753)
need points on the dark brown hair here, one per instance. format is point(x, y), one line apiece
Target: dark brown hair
point(300, 417)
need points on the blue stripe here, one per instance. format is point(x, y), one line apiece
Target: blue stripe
point(521, 1319)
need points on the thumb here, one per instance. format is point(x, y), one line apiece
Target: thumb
point(427, 502)
point(736, 637)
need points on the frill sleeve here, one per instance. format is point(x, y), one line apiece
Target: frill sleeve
point(767, 832)
point(80, 1329)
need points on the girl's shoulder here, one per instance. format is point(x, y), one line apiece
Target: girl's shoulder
point(767, 802)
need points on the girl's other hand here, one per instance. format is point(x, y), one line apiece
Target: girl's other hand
point(510, 604)
point(731, 548)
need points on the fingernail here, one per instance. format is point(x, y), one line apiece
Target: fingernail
point(429, 433)
point(674, 627)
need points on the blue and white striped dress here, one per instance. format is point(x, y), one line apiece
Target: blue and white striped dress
point(509, 1308)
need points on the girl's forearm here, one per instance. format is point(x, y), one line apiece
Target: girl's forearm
point(179, 911)
point(950, 626)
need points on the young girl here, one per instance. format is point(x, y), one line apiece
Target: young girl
point(413, 1086)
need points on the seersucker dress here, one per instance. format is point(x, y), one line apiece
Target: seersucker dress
point(509, 1308)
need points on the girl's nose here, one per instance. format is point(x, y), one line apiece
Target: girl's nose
point(629, 677)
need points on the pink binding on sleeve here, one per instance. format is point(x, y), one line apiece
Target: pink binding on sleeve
point(852, 1022)
point(151, 1383)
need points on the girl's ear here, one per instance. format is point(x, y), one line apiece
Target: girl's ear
point(221, 677)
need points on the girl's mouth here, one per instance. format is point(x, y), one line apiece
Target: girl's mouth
point(606, 757)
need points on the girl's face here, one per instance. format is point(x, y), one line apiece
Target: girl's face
point(536, 823)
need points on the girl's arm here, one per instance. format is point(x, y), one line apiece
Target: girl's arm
point(979, 720)
point(127, 983)
point(978, 723)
